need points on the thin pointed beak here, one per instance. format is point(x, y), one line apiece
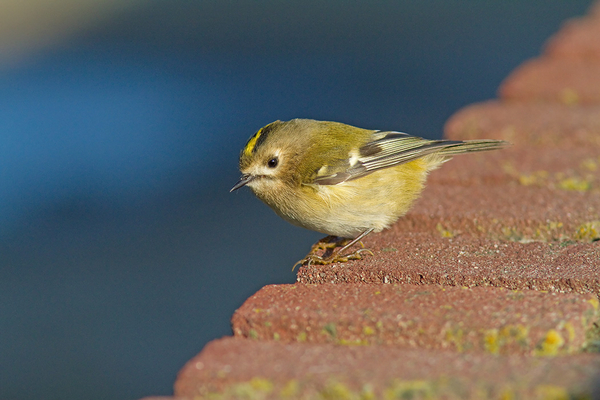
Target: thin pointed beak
point(242, 182)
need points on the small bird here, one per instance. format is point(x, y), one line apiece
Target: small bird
point(341, 180)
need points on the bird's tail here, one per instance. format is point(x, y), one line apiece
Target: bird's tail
point(453, 148)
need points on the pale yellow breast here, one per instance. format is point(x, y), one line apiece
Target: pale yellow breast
point(348, 209)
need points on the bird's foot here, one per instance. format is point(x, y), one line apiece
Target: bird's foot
point(334, 257)
point(330, 255)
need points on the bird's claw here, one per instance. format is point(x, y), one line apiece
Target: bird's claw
point(334, 257)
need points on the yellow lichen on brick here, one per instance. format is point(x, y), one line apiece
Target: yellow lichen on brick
point(594, 302)
point(367, 393)
point(552, 231)
point(569, 97)
point(353, 342)
point(511, 234)
point(516, 333)
point(553, 225)
point(455, 336)
point(575, 184)
point(496, 339)
point(261, 384)
point(551, 344)
point(588, 231)
point(506, 394)
point(417, 389)
point(570, 331)
point(537, 178)
point(551, 392)
point(444, 232)
point(290, 389)
point(590, 164)
point(255, 388)
point(337, 390)
point(579, 179)
point(491, 341)
point(368, 331)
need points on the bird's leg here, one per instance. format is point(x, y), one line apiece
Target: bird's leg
point(357, 239)
point(331, 255)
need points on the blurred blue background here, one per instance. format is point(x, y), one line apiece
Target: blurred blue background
point(121, 250)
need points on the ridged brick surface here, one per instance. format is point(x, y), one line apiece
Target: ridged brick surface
point(422, 259)
point(567, 81)
point(243, 368)
point(522, 198)
point(484, 319)
point(529, 125)
point(578, 38)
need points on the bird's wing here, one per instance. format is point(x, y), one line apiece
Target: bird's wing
point(386, 149)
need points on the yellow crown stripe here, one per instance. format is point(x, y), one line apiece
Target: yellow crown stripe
point(252, 142)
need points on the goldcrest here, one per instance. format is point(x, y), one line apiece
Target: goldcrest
point(342, 180)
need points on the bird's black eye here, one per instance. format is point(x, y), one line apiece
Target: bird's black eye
point(272, 163)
